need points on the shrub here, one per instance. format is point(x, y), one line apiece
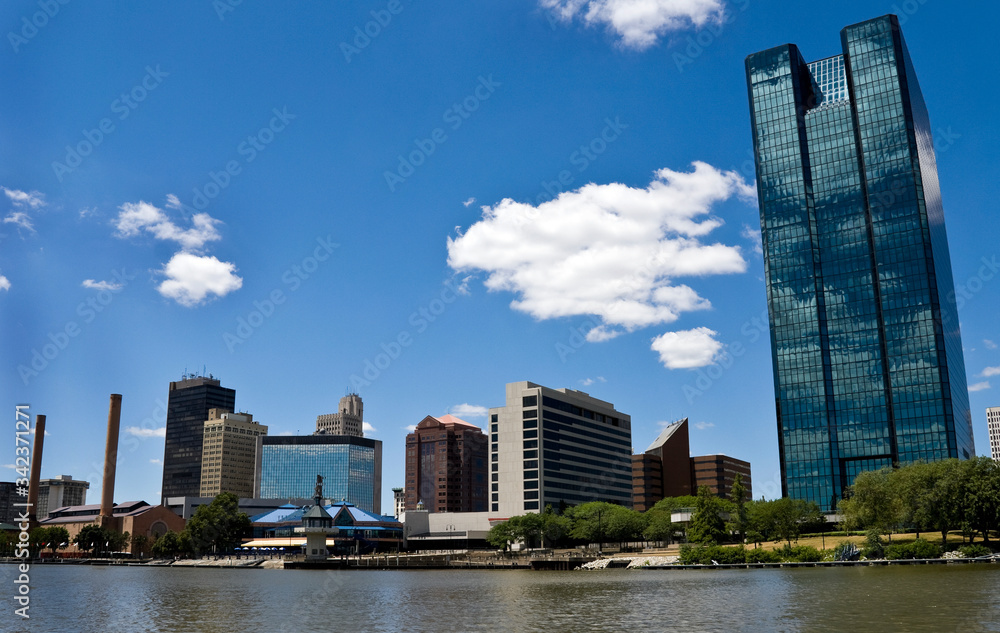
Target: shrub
point(874, 547)
point(919, 548)
point(975, 550)
point(801, 554)
point(762, 556)
point(691, 555)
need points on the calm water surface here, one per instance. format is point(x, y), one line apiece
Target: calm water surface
point(123, 599)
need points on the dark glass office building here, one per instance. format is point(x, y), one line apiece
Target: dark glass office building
point(351, 468)
point(188, 403)
point(867, 354)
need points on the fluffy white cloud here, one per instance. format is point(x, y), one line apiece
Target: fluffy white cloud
point(606, 250)
point(31, 200)
point(991, 371)
point(134, 217)
point(586, 382)
point(20, 219)
point(638, 23)
point(467, 410)
point(101, 285)
point(156, 461)
point(980, 386)
point(752, 234)
point(192, 278)
point(701, 426)
point(143, 432)
point(4, 283)
point(367, 428)
point(468, 202)
point(410, 428)
point(687, 349)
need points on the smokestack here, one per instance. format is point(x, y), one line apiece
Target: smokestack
point(36, 470)
point(111, 457)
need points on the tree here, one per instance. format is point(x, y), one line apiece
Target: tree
point(91, 538)
point(738, 497)
point(872, 502)
point(982, 494)
point(790, 515)
point(760, 521)
point(166, 546)
point(500, 535)
point(140, 544)
point(57, 538)
point(590, 521)
point(219, 526)
point(707, 525)
point(658, 526)
point(625, 524)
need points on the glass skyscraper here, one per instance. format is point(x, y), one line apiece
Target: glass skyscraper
point(866, 348)
point(351, 467)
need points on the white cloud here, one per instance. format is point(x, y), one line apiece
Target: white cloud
point(701, 426)
point(639, 23)
point(989, 344)
point(991, 371)
point(4, 283)
point(606, 250)
point(101, 285)
point(467, 410)
point(367, 428)
point(135, 217)
point(192, 278)
point(979, 386)
point(21, 199)
point(156, 461)
point(143, 432)
point(20, 219)
point(469, 202)
point(586, 382)
point(687, 349)
point(752, 234)
point(410, 428)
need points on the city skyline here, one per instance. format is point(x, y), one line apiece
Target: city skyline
point(298, 206)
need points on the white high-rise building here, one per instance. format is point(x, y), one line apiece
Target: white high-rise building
point(993, 424)
point(557, 446)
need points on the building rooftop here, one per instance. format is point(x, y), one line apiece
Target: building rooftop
point(666, 434)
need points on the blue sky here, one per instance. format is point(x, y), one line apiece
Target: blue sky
point(303, 208)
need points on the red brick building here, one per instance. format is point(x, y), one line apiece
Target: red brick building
point(446, 465)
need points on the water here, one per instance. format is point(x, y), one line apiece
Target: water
point(856, 599)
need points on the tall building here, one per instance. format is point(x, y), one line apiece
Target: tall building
point(348, 420)
point(229, 453)
point(557, 447)
point(718, 472)
point(867, 353)
point(351, 468)
point(398, 502)
point(666, 469)
point(993, 426)
point(446, 466)
point(8, 497)
point(60, 492)
point(188, 404)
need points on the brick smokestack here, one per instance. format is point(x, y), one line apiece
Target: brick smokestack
point(111, 457)
point(36, 469)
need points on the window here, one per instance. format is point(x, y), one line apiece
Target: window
point(529, 401)
point(530, 505)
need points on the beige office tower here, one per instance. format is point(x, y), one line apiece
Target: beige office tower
point(348, 420)
point(993, 424)
point(229, 453)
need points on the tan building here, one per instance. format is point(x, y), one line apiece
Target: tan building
point(229, 456)
point(60, 492)
point(993, 425)
point(348, 420)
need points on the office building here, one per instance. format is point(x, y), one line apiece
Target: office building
point(229, 453)
point(867, 353)
point(557, 447)
point(993, 426)
point(351, 468)
point(718, 472)
point(188, 404)
point(667, 469)
point(60, 492)
point(446, 466)
point(348, 420)
point(398, 501)
point(8, 497)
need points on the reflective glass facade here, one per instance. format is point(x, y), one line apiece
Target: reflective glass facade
point(351, 468)
point(866, 349)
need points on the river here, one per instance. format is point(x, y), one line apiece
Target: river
point(67, 599)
